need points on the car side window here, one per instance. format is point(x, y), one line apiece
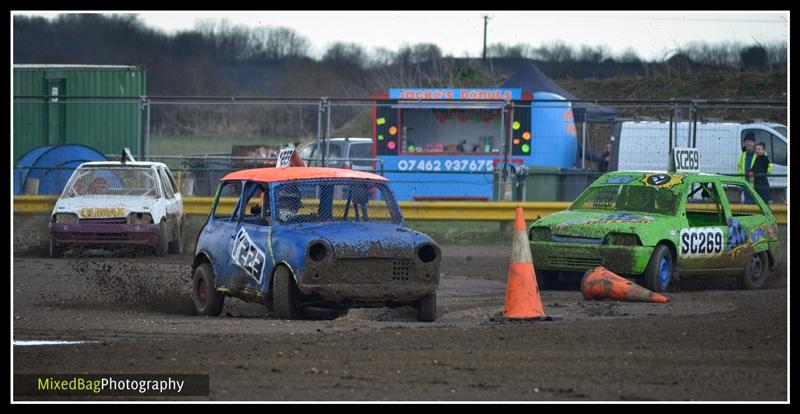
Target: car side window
point(227, 190)
point(255, 204)
point(175, 187)
point(778, 151)
point(307, 152)
point(168, 190)
point(735, 192)
point(360, 151)
point(703, 206)
point(760, 136)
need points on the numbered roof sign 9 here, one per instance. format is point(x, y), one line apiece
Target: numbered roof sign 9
point(687, 159)
point(284, 157)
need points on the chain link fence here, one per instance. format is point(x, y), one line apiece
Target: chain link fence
point(430, 149)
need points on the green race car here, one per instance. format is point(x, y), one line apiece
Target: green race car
point(656, 227)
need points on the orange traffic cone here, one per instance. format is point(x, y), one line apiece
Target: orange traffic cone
point(601, 283)
point(522, 293)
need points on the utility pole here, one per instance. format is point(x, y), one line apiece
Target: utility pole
point(485, 23)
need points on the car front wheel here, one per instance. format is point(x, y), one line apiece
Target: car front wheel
point(660, 269)
point(426, 308)
point(547, 279)
point(162, 248)
point(284, 294)
point(207, 301)
point(756, 272)
point(176, 246)
point(55, 249)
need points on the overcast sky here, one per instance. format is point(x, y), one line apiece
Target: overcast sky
point(651, 34)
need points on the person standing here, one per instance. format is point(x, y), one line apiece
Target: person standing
point(759, 172)
point(606, 156)
point(746, 161)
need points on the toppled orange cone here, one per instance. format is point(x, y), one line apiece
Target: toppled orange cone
point(522, 293)
point(600, 283)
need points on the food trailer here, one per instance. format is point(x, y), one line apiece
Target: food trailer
point(448, 144)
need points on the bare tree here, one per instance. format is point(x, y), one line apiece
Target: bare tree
point(592, 54)
point(555, 51)
point(345, 54)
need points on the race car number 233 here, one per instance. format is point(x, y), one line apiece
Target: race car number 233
point(701, 242)
point(246, 255)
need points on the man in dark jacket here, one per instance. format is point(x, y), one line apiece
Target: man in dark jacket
point(759, 172)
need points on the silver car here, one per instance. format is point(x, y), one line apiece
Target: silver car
point(356, 152)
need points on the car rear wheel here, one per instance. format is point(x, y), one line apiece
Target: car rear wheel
point(207, 301)
point(756, 272)
point(284, 294)
point(162, 248)
point(55, 249)
point(659, 271)
point(426, 308)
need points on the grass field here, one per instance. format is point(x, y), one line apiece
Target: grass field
point(464, 233)
point(194, 145)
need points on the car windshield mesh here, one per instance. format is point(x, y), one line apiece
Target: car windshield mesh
point(633, 198)
point(335, 200)
point(111, 181)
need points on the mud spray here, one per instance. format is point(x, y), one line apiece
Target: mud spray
point(157, 287)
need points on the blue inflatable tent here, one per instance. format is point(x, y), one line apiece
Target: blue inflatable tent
point(530, 79)
point(51, 166)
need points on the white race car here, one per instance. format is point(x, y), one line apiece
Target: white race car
point(107, 203)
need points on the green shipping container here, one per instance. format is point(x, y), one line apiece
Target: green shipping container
point(106, 125)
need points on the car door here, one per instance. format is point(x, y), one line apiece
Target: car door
point(749, 231)
point(177, 191)
point(702, 240)
point(171, 202)
point(250, 256)
point(218, 233)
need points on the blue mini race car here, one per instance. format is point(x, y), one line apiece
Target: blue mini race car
point(303, 237)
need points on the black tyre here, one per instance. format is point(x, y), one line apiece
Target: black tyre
point(162, 248)
point(426, 308)
point(176, 246)
point(284, 294)
point(660, 270)
point(55, 249)
point(547, 279)
point(207, 301)
point(755, 274)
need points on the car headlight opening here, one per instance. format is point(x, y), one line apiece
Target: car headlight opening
point(65, 218)
point(318, 252)
point(623, 239)
point(140, 218)
point(539, 234)
point(426, 253)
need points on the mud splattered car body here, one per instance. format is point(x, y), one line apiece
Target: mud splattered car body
point(302, 237)
point(657, 227)
point(108, 203)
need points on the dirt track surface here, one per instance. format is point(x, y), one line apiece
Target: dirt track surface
point(713, 344)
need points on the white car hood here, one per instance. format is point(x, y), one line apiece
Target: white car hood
point(104, 206)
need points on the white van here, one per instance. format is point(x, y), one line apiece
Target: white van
point(644, 146)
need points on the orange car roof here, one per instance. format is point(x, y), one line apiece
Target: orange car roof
point(270, 175)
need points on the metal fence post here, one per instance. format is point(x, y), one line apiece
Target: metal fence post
point(694, 125)
point(319, 128)
point(147, 131)
point(327, 133)
point(504, 190)
point(583, 153)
